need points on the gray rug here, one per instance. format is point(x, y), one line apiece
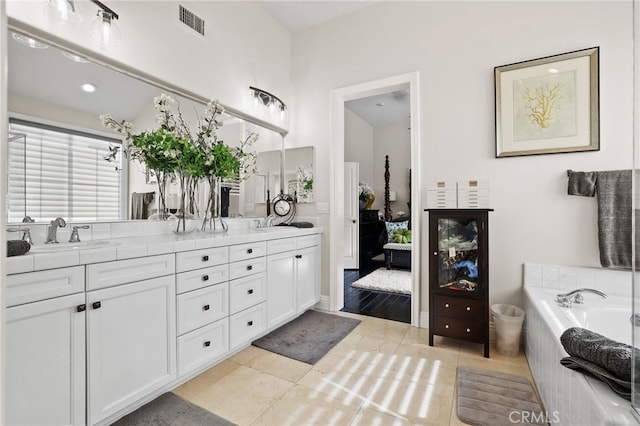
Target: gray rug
point(491, 398)
point(308, 337)
point(171, 410)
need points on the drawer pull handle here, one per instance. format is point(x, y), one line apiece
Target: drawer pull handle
point(207, 344)
point(249, 251)
point(468, 308)
point(298, 256)
point(435, 253)
point(250, 291)
point(468, 330)
point(249, 267)
point(205, 278)
point(446, 305)
point(205, 258)
point(81, 308)
point(446, 326)
point(249, 323)
point(96, 305)
point(205, 308)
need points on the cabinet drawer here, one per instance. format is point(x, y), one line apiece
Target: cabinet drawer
point(107, 274)
point(457, 328)
point(246, 292)
point(201, 307)
point(193, 280)
point(281, 245)
point(246, 325)
point(202, 346)
point(458, 307)
point(247, 267)
point(308, 241)
point(247, 251)
point(196, 259)
point(34, 286)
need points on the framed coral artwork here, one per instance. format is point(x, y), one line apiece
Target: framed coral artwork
point(548, 105)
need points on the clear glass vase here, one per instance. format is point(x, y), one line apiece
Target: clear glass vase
point(162, 179)
point(213, 221)
point(183, 221)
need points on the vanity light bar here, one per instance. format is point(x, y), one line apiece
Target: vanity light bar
point(267, 98)
point(106, 9)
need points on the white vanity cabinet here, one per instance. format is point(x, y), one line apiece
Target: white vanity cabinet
point(131, 332)
point(203, 307)
point(247, 266)
point(293, 277)
point(45, 360)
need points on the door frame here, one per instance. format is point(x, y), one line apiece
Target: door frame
point(338, 97)
point(356, 234)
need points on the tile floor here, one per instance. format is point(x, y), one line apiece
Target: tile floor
point(382, 373)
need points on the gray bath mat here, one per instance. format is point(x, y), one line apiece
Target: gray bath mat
point(171, 410)
point(492, 398)
point(308, 337)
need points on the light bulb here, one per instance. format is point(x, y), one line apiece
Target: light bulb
point(64, 10)
point(104, 30)
point(272, 107)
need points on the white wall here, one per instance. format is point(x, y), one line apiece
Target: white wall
point(358, 145)
point(455, 46)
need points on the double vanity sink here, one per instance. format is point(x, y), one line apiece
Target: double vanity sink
point(80, 245)
point(97, 328)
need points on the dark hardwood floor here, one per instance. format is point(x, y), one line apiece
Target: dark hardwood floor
point(392, 306)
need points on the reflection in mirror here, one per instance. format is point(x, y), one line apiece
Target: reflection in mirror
point(46, 96)
point(266, 183)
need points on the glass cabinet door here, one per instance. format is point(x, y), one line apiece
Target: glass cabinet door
point(458, 262)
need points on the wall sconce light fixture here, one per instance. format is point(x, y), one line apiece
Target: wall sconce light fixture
point(103, 27)
point(268, 100)
point(64, 10)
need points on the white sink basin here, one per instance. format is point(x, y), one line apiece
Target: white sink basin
point(82, 245)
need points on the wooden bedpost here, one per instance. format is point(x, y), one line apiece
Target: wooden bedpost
point(387, 204)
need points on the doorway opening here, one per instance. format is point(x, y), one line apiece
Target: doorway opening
point(360, 236)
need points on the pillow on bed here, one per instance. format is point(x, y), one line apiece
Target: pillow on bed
point(392, 226)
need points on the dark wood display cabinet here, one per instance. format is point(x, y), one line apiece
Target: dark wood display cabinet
point(459, 275)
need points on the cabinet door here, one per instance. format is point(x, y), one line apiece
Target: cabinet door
point(131, 343)
point(281, 289)
point(45, 374)
point(308, 277)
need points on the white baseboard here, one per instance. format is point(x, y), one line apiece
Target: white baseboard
point(323, 304)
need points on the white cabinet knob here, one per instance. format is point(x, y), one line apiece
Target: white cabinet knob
point(446, 326)
point(468, 308)
point(435, 253)
point(468, 330)
point(446, 305)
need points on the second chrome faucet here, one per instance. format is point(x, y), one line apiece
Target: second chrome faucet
point(568, 299)
point(52, 230)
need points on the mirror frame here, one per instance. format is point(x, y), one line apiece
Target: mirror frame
point(110, 63)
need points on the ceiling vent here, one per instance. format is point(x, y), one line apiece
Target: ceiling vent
point(191, 20)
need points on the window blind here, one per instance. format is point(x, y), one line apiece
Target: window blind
point(60, 172)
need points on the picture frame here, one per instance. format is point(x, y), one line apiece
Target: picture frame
point(548, 105)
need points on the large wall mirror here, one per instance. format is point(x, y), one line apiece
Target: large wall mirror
point(47, 101)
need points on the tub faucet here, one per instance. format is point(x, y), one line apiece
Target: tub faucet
point(53, 228)
point(566, 300)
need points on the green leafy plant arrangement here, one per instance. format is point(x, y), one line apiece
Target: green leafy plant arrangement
point(173, 151)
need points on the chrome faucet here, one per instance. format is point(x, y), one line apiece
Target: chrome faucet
point(75, 237)
point(566, 300)
point(53, 228)
point(26, 233)
point(266, 222)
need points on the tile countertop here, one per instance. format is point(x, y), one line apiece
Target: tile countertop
point(127, 248)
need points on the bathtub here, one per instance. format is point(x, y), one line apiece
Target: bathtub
point(568, 396)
